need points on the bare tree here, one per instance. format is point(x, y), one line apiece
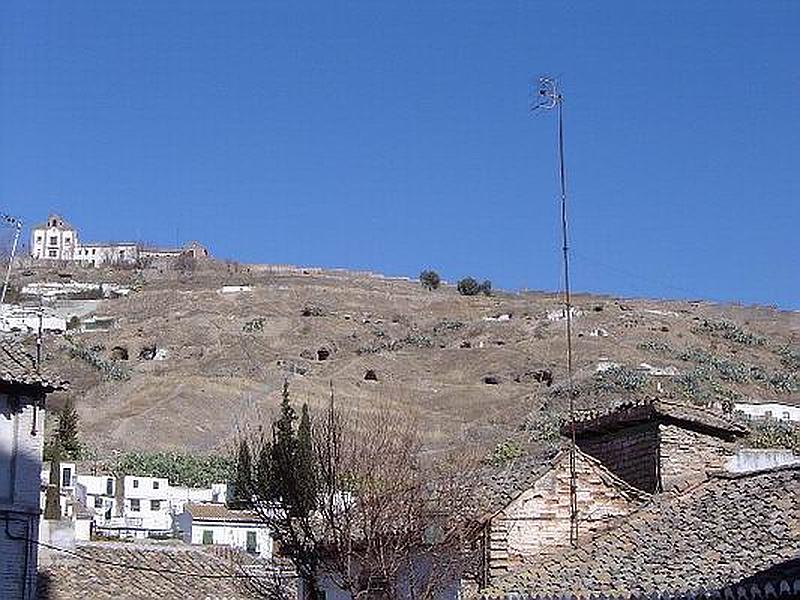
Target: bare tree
point(384, 522)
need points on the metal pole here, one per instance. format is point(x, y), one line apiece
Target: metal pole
point(573, 483)
point(11, 261)
point(550, 97)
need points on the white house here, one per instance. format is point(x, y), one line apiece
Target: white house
point(26, 319)
point(181, 496)
point(99, 493)
point(217, 524)
point(769, 410)
point(98, 254)
point(146, 506)
point(55, 239)
point(23, 389)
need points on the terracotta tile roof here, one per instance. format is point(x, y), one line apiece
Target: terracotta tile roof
point(133, 571)
point(730, 529)
point(17, 367)
point(635, 411)
point(220, 512)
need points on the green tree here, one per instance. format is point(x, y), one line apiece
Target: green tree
point(468, 287)
point(264, 474)
point(306, 467)
point(243, 476)
point(52, 504)
point(429, 279)
point(67, 432)
point(284, 450)
point(486, 287)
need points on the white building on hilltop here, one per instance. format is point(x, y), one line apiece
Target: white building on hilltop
point(56, 239)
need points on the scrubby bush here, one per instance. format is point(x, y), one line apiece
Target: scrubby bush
point(430, 280)
point(504, 452)
point(470, 287)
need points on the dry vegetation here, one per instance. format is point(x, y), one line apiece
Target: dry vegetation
point(434, 353)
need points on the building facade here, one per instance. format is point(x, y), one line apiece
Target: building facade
point(23, 389)
point(54, 239)
point(216, 524)
point(57, 240)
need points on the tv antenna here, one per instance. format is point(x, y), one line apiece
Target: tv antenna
point(16, 223)
point(549, 97)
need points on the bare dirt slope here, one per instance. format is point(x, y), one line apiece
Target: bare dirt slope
point(473, 369)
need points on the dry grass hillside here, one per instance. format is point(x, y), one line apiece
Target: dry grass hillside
point(471, 374)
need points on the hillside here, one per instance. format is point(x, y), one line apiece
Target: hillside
point(475, 370)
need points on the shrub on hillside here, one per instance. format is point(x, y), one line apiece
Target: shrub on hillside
point(430, 280)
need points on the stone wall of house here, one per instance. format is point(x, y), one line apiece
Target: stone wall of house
point(687, 455)
point(537, 522)
point(630, 453)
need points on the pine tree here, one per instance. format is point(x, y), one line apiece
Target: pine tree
point(306, 468)
point(284, 450)
point(67, 432)
point(243, 476)
point(52, 505)
point(264, 474)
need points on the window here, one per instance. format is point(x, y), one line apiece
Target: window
point(135, 483)
point(52, 253)
point(67, 240)
point(94, 250)
point(786, 416)
point(155, 505)
point(109, 487)
point(98, 502)
point(66, 477)
point(135, 505)
point(208, 537)
point(54, 240)
point(767, 414)
point(251, 542)
point(155, 485)
point(38, 239)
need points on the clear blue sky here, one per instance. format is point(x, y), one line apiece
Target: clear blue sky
point(396, 136)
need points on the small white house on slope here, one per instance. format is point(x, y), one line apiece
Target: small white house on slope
point(216, 524)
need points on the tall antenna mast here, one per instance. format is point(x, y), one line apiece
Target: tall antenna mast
point(17, 224)
point(549, 97)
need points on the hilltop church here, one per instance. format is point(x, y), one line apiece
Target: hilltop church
point(57, 239)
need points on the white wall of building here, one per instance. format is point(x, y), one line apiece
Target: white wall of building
point(20, 473)
point(147, 503)
point(228, 533)
point(101, 254)
point(54, 240)
point(769, 410)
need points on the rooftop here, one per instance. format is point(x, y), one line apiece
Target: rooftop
point(220, 512)
point(123, 571)
point(730, 529)
point(631, 412)
point(18, 367)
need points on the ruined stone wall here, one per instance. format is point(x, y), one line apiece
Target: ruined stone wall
point(630, 453)
point(687, 455)
point(537, 523)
